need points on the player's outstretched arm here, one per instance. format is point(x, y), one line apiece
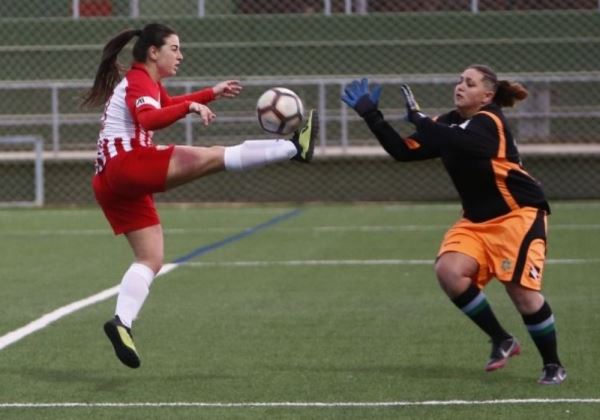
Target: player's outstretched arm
point(227, 89)
point(205, 113)
point(364, 101)
point(413, 110)
point(359, 97)
point(158, 118)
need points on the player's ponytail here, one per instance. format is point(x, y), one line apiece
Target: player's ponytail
point(507, 92)
point(109, 71)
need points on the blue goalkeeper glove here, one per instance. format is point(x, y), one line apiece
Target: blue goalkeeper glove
point(358, 97)
point(413, 111)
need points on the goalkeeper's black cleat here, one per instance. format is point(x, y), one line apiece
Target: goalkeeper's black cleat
point(305, 138)
point(552, 374)
point(122, 341)
point(501, 352)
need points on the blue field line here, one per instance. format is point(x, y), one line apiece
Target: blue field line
point(51, 317)
point(249, 231)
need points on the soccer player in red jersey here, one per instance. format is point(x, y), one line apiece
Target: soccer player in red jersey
point(502, 232)
point(130, 168)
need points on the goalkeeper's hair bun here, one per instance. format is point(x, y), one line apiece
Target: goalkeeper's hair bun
point(508, 93)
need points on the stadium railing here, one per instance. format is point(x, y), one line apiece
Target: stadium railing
point(533, 120)
point(15, 191)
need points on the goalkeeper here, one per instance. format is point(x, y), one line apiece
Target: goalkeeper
point(502, 233)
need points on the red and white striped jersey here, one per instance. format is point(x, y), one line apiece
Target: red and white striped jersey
point(124, 128)
point(121, 130)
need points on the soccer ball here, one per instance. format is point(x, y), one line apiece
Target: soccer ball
point(279, 111)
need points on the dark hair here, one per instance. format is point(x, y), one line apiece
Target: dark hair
point(507, 92)
point(109, 71)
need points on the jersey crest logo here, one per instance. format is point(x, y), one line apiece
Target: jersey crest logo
point(147, 100)
point(534, 273)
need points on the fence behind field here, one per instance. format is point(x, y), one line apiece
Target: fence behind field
point(547, 118)
point(51, 50)
point(81, 9)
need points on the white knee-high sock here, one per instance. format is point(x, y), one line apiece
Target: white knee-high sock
point(134, 289)
point(255, 153)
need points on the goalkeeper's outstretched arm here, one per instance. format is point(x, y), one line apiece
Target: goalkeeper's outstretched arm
point(365, 102)
point(400, 148)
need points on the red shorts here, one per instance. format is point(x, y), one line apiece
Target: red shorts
point(511, 248)
point(124, 188)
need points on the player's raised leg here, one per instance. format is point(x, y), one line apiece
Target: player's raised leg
point(189, 163)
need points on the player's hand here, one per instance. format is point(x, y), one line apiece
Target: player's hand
point(358, 96)
point(206, 114)
point(413, 110)
point(227, 89)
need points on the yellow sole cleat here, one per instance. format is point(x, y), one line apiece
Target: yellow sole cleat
point(305, 138)
point(122, 341)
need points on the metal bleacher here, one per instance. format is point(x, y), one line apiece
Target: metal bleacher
point(315, 51)
point(535, 124)
point(53, 60)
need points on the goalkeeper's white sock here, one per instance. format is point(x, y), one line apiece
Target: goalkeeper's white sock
point(133, 291)
point(255, 153)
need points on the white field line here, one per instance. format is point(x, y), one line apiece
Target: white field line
point(45, 320)
point(332, 229)
point(291, 404)
point(196, 231)
point(337, 263)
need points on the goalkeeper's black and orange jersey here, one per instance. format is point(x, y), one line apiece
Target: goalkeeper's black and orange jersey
point(479, 154)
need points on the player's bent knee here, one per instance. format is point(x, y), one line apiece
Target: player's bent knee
point(446, 271)
point(446, 275)
point(153, 259)
point(455, 272)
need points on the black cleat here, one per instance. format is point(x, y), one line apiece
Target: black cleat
point(305, 138)
point(122, 341)
point(552, 374)
point(501, 352)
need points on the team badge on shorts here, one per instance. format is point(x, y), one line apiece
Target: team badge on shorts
point(534, 273)
point(506, 265)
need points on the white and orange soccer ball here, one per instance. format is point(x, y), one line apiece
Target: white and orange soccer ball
point(280, 111)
